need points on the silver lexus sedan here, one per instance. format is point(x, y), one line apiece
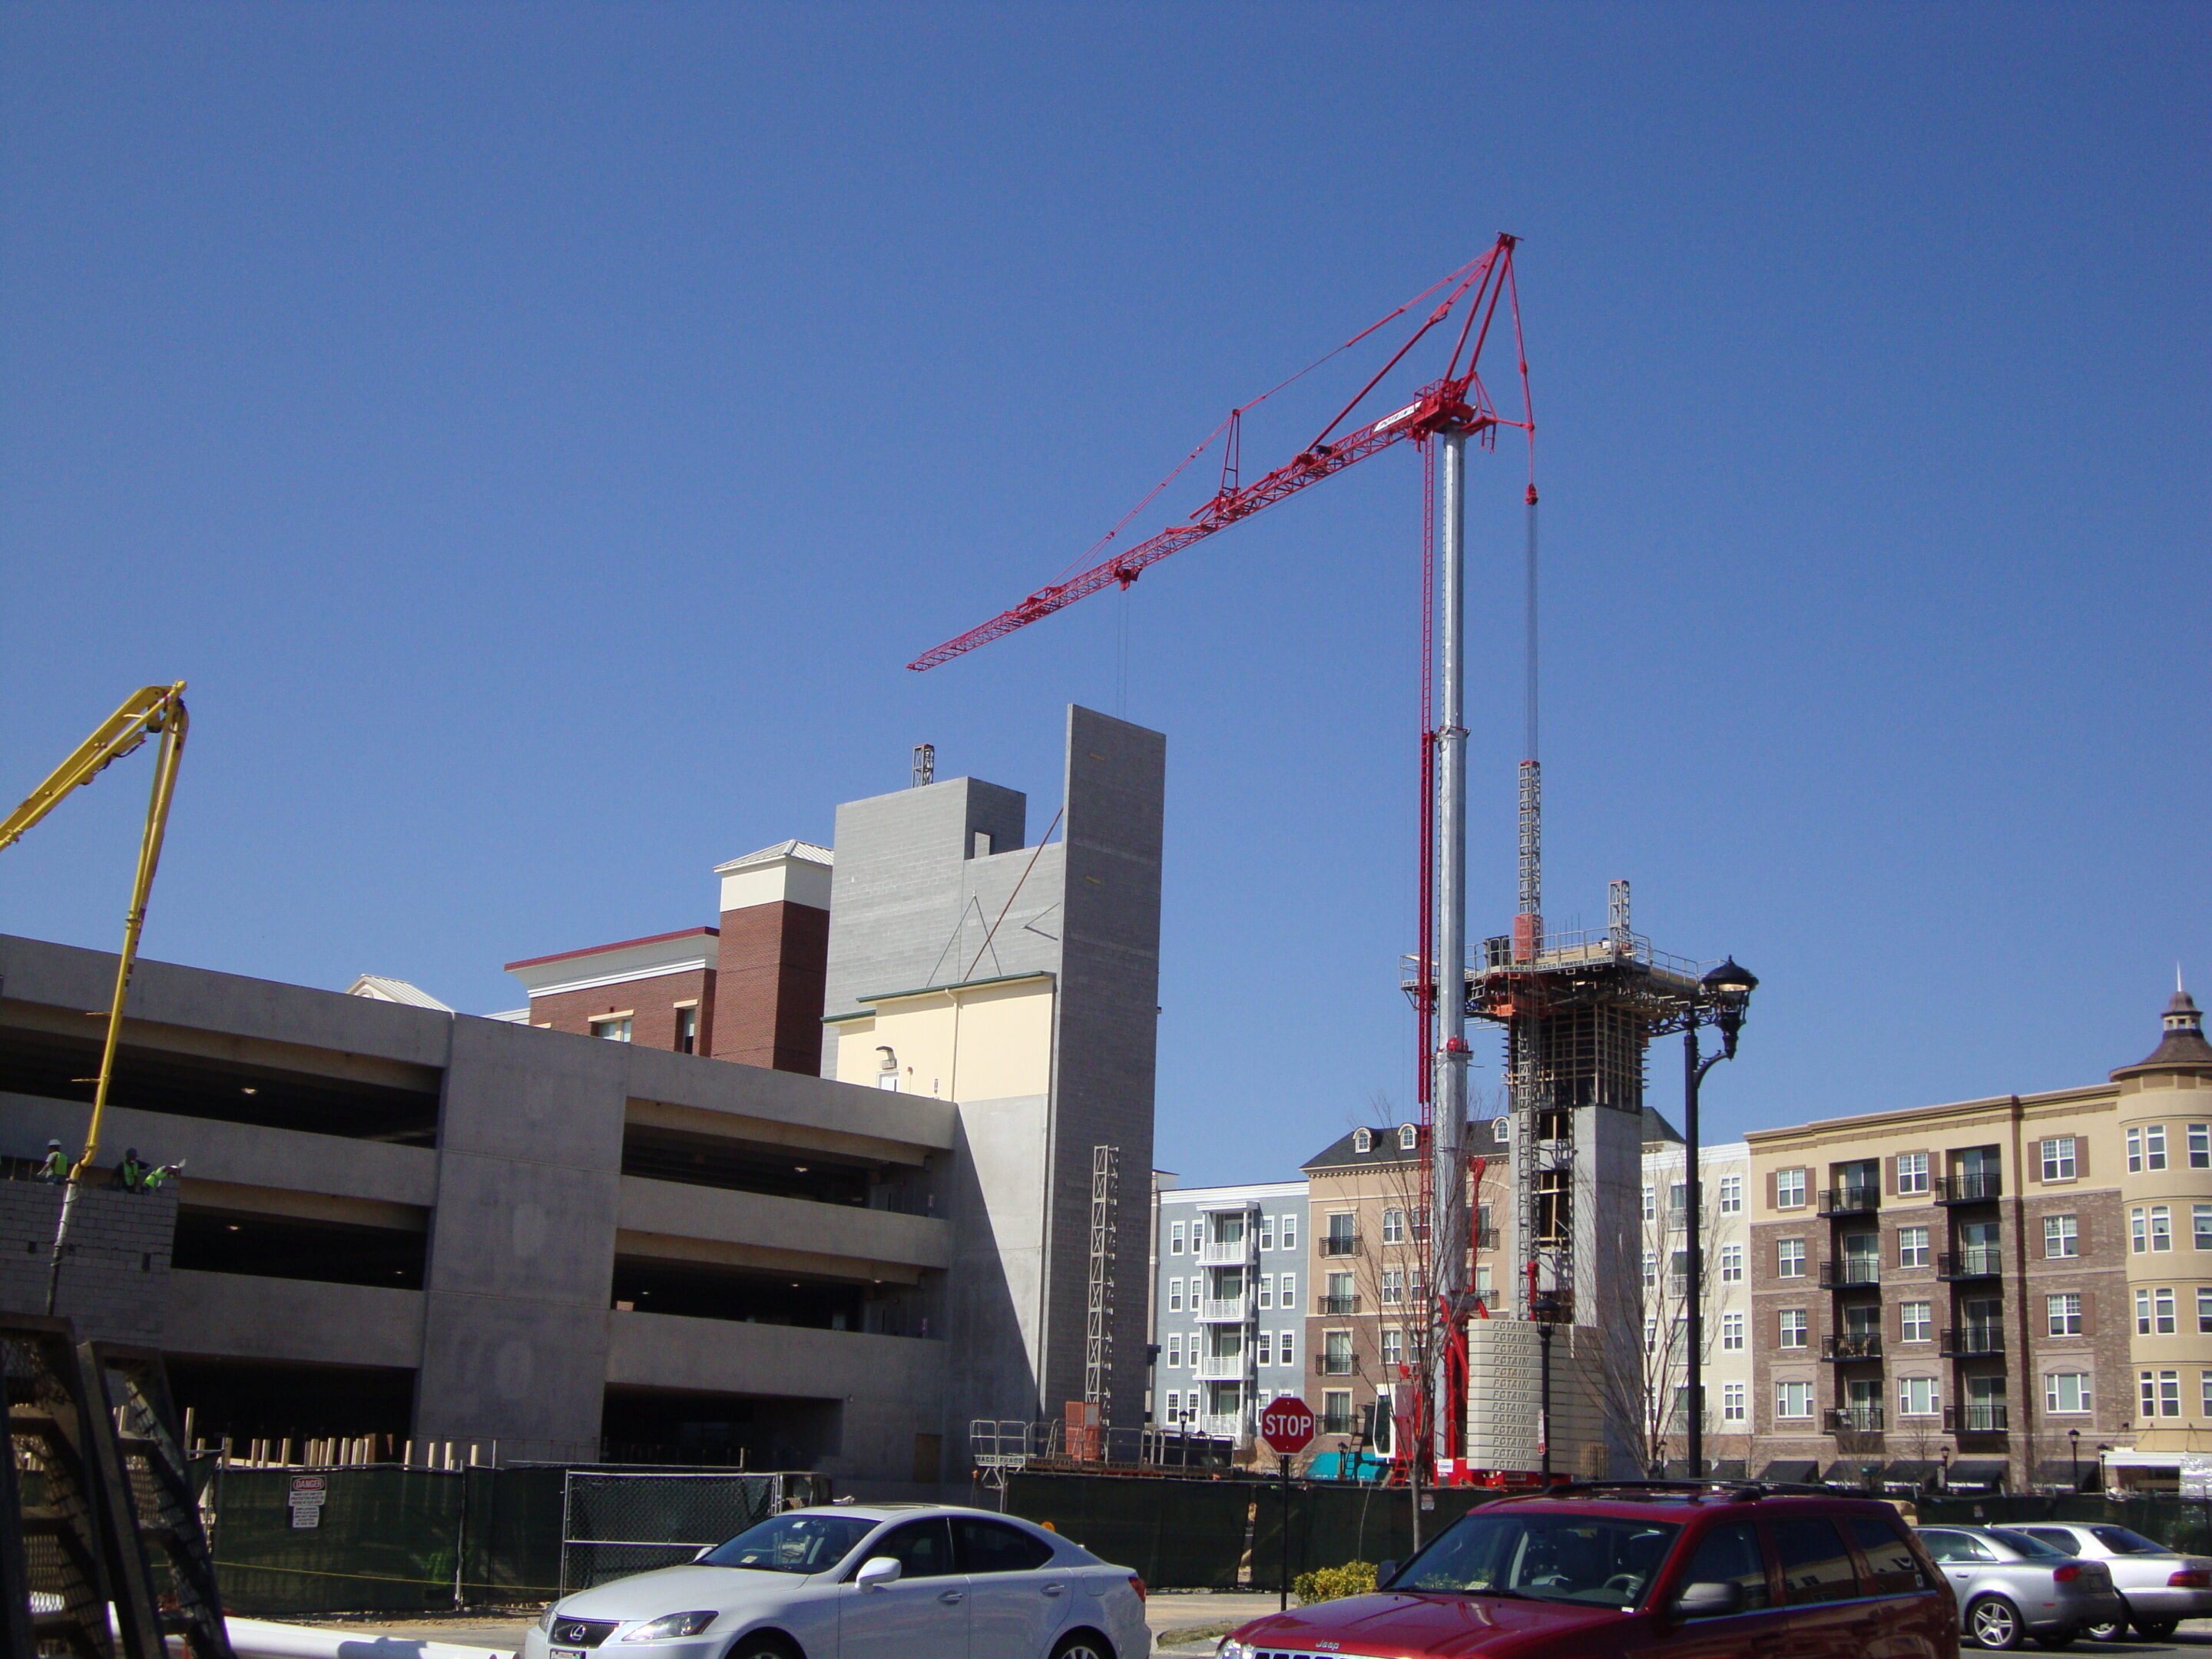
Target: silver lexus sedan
point(2161, 1586)
point(882, 1581)
point(2011, 1587)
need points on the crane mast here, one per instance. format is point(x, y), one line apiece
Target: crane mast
point(1442, 416)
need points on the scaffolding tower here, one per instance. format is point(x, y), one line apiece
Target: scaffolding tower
point(1098, 1329)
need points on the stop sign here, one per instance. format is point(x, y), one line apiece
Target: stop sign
point(1287, 1425)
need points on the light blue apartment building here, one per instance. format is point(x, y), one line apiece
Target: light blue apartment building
point(1227, 1314)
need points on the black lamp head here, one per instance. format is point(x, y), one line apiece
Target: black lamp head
point(1728, 985)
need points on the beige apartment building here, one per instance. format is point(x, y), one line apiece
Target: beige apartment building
point(1996, 1293)
point(1367, 1227)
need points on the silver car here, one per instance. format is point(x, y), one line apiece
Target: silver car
point(2162, 1587)
point(885, 1581)
point(2011, 1587)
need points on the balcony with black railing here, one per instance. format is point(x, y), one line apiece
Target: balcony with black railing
point(1850, 1347)
point(1843, 1273)
point(1339, 1423)
point(1850, 1200)
point(1340, 1243)
point(1485, 1238)
point(1336, 1364)
point(1336, 1307)
point(1976, 1417)
point(1854, 1419)
point(1972, 1341)
point(1976, 1261)
point(1969, 1189)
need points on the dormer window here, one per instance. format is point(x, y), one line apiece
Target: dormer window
point(1408, 1137)
point(1363, 1141)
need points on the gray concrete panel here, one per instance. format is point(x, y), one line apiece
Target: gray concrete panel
point(788, 1223)
point(995, 1292)
point(498, 1368)
point(64, 977)
point(548, 1096)
point(239, 1152)
point(241, 1316)
point(810, 1104)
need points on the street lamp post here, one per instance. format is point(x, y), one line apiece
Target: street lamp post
point(1723, 997)
point(1544, 1308)
point(2074, 1449)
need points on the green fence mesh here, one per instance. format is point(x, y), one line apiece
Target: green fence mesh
point(382, 1540)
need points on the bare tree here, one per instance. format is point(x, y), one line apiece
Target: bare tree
point(1639, 1385)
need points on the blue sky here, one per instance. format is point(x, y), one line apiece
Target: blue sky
point(541, 433)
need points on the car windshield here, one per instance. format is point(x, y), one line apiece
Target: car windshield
point(792, 1543)
point(2020, 1544)
point(2121, 1541)
point(1606, 1561)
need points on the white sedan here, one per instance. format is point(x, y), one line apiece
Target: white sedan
point(885, 1581)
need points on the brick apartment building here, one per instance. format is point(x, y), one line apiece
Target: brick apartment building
point(1992, 1293)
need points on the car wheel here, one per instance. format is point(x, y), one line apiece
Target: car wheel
point(2157, 1630)
point(2112, 1630)
point(1083, 1644)
point(2063, 1639)
point(1994, 1622)
point(763, 1644)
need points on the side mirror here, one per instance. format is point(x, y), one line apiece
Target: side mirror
point(1384, 1573)
point(1714, 1600)
point(875, 1574)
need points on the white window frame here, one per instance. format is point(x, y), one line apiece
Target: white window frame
point(1731, 1264)
point(1913, 1247)
point(1286, 1348)
point(1790, 1189)
point(2200, 1145)
point(1930, 1393)
point(1174, 1296)
point(2062, 1314)
point(2200, 1226)
point(1175, 1349)
point(1409, 1138)
point(1925, 1323)
point(2154, 1147)
point(1793, 1401)
point(2135, 1154)
point(1731, 1198)
point(2162, 1228)
point(1793, 1328)
point(1732, 1333)
point(1911, 1173)
point(2059, 1163)
point(2056, 1387)
point(1790, 1258)
point(2062, 1237)
point(1175, 1239)
point(1732, 1403)
point(1267, 1289)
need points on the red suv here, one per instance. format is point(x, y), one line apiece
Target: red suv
point(1686, 1571)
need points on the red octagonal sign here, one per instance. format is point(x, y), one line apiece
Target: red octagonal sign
point(1287, 1425)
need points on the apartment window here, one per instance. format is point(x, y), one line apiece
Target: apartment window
point(1267, 1289)
point(2155, 1146)
point(1732, 1403)
point(2063, 1313)
point(2058, 1161)
point(1336, 1353)
point(1174, 1406)
point(1409, 1138)
point(1175, 1354)
point(1790, 1189)
point(2204, 1392)
point(1916, 1396)
point(1336, 1412)
point(1175, 1239)
point(1651, 1335)
point(1267, 1232)
point(1289, 1230)
point(2200, 1226)
point(1393, 1347)
point(1650, 1269)
point(1678, 1198)
point(1793, 1327)
point(1911, 1172)
point(2200, 1145)
point(2061, 1235)
point(1732, 1333)
point(1793, 1398)
point(687, 1030)
point(2155, 1315)
point(1394, 1226)
point(1913, 1247)
point(1263, 1350)
point(1731, 1264)
point(2135, 1152)
point(1289, 1299)
point(1916, 1320)
point(1788, 1259)
point(2066, 1391)
point(1651, 1202)
point(2161, 1227)
point(1363, 1141)
point(615, 1029)
point(2160, 1393)
point(1731, 1194)
point(1393, 1286)
point(1174, 1296)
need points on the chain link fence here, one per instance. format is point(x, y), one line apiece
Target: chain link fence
point(616, 1522)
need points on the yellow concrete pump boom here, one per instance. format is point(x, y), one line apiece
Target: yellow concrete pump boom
point(153, 710)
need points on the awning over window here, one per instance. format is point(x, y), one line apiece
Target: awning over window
point(1791, 1470)
point(1908, 1472)
point(1975, 1474)
point(1841, 1474)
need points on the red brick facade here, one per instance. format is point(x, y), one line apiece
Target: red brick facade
point(651, 1003)
point(772, 960)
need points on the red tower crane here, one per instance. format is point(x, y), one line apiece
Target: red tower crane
point(1452, 407)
